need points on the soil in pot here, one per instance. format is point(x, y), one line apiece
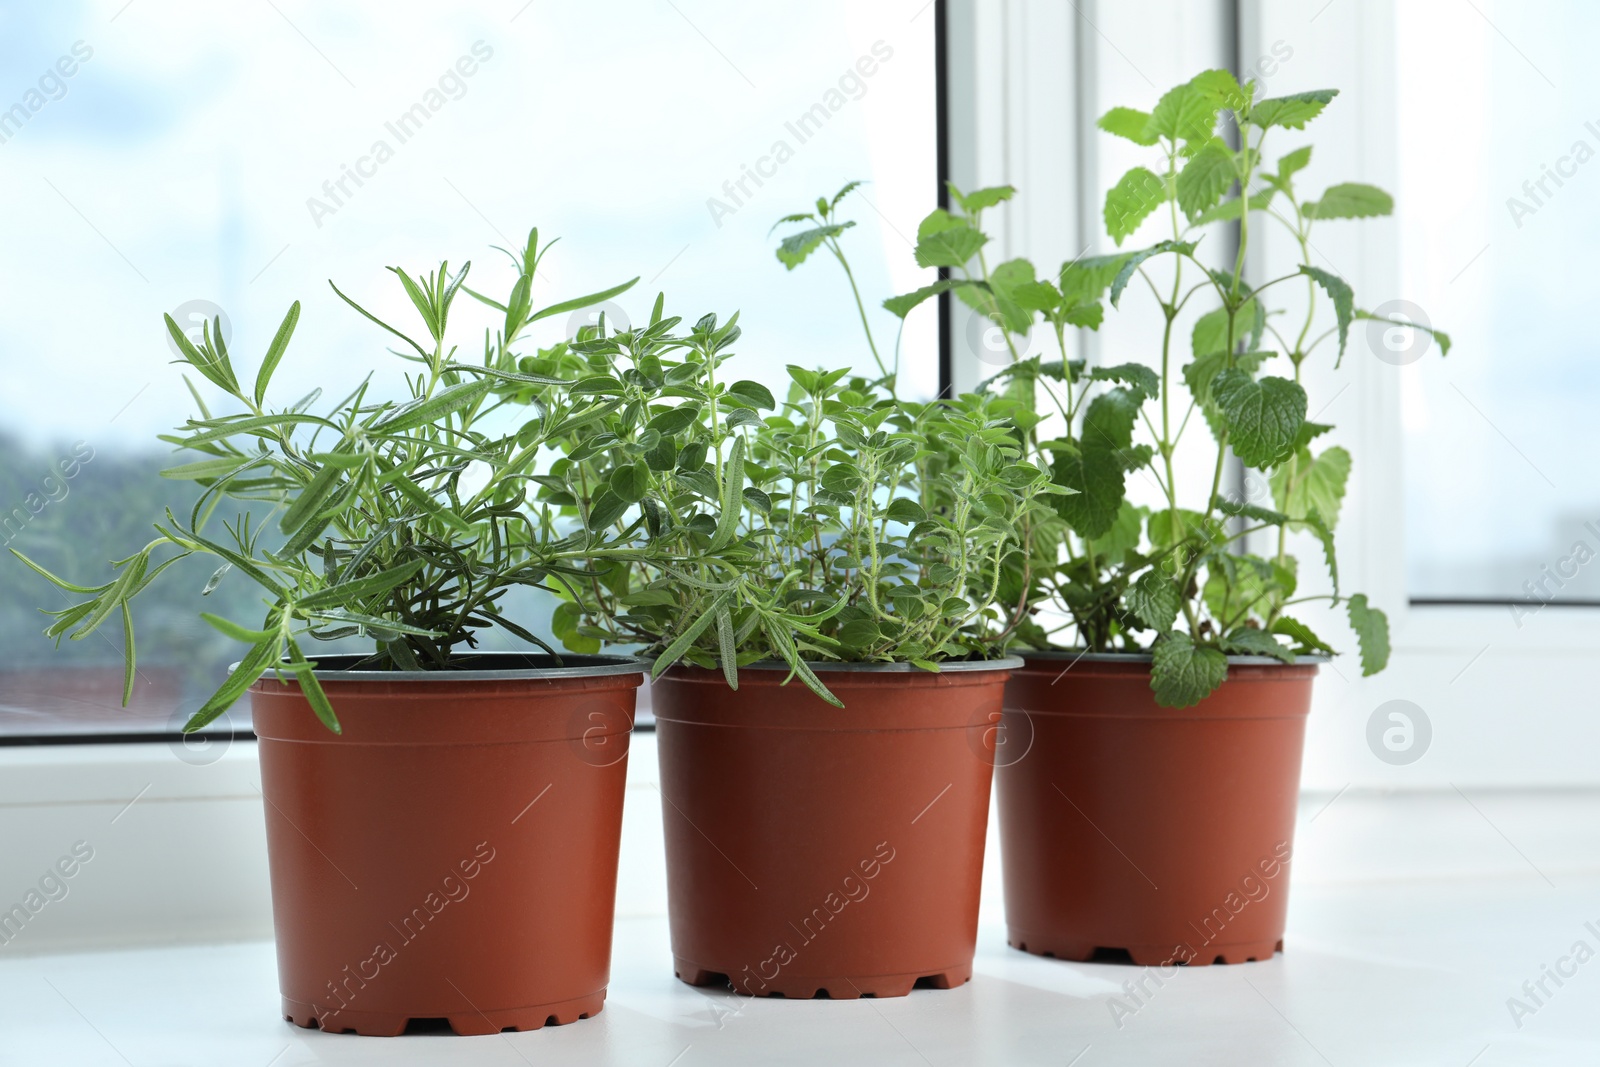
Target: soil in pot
point(1162, 833)
point(451, 857)
point(818, 851)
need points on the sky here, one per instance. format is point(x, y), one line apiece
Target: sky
point(175, 168)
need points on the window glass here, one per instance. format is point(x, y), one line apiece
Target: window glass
point(208, 160)
point(1499, 201)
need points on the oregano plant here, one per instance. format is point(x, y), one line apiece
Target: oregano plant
point(835, 525)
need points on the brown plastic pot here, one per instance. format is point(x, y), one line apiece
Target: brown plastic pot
point(813, 850)
point(1164, 832)
point(452, 855)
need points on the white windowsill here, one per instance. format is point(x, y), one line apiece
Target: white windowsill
point(1414, 917)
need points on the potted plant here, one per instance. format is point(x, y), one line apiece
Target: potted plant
point(825, 677)
point(442, 824)
point(1147, 804)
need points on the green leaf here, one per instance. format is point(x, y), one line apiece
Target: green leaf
point(900, 306)
point(680, 645)
point(979, 199)
point(1292, 163)
point(1183, 673)
point(630, 482)
point(1108, 421)
point(727, 647)
point(1351, 200)
point(59, 583)
point(242, 677)
point(1310, 484)
point(605, 508)
point(311, 688)
point(1233, 208)
point(753, 393)
point(582, 301)
point(235, 631)
point(1291, 112)
point(1438, 335)
point(675, 420)
point(1306, 642)
point(310, 502)
point(1223, 87)
point(1131, 263)
point(1099, 483)
point(1372, 634)
point(128, 654)
point(564, 625)
point(1186, 113)
point(345, 594)
point(732, 497)
point(952, 246)
point(1129, 123)
point(1154, 600)
point(1344, 299)
point(904, 509)
point(1262, 416)
point(1205, 178)
point(280, 342)
point(1141, 380)
point(1250, 641)
point(1168, 526)
point(797, 247)
point(1128, 203)
point(434, 410)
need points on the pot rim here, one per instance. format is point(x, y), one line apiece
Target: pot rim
point(1146, 657)
point(1008, 663)
point(574, 666)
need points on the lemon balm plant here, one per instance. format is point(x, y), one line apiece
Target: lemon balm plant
point(1172, 578)
point(1187, 664)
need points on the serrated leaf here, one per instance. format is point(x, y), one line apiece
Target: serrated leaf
point(1438, 335)
point(1344, 300)
point(1185, 113)
point(979, 199)
point(1224, 87)
point(1372, 634)
point(1232, 209)
point(1292, 163)
point(1128, 203)
point(1249, 641)
point(1129, 123)
point(1141, 380)
point(1182, 673)
point(1131, 263)
point(1204, 179)
point(1099, 482)
point(900, 306)
point(795, 248)
point(952, 246)
point(1262, 416)
point(1291, 112)
point(1310, 484)
point(1351, 200)
point(1154, 600)
point(1108, 421)
point(1305, 641)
